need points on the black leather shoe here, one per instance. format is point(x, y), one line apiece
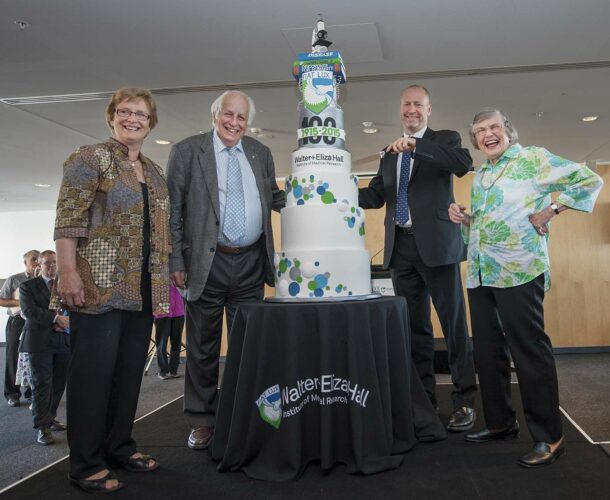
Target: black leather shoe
point(542, 455)
point(200, 438)
point(58, 426)
point(462, 419)
point(96, 485)
point(45, 437)
point(484, 435)
point(13, 402)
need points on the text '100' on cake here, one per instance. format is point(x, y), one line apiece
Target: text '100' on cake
point(323, 252)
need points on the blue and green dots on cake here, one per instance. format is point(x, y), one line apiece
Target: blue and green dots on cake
point(307, 276)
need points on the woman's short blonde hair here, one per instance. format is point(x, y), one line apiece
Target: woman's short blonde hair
point(132, 94)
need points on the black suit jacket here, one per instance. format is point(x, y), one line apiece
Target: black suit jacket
point(438, 156)
point(34, 297)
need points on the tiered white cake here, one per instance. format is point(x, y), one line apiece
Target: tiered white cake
point(323, 252)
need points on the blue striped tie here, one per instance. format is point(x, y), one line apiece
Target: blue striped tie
point(402, 201)
point(234, 226)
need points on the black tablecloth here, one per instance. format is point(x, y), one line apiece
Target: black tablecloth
point(329, 381)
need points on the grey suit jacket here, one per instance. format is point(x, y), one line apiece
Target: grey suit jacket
point(195, 207)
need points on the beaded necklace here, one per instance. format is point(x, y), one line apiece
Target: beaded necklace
point(488, 186)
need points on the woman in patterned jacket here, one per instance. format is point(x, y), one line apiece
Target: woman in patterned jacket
point(112, 239)
point(508, 274)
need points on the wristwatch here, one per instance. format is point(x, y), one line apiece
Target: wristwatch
point(555, 208)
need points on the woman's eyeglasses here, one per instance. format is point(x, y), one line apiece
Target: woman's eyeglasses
point(126, 113)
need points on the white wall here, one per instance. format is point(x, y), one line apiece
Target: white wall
point(22, 231)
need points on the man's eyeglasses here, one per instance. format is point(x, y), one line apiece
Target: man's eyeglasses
point(481, 131)
point(126, 113)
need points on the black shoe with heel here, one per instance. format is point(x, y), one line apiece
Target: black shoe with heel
point(542, 455)
point(484, 435)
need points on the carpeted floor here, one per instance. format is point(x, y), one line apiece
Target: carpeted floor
point(21, 456)
point(449, 469)
point(584, 382)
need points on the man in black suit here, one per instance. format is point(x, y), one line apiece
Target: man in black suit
point(422, 248)
point(45, 339)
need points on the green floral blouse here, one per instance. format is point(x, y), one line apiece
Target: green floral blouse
point(504, 249)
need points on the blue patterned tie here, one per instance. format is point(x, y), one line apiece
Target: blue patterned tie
point(234, 226)
point(402, 202)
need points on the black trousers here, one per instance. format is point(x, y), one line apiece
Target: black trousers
point(512, 319)
point(49, 372)
point(104, 379)
point(418, 283)
point(233, 279)
point(14, 326)
point(168, 329)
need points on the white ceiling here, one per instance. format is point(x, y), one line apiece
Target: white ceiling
point(546, 62)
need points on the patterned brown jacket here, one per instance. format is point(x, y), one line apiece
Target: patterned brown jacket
point(100, 203)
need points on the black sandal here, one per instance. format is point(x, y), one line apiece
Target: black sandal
point(140, 464)
point(96, 485)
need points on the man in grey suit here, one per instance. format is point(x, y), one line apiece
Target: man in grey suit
point(222, 189)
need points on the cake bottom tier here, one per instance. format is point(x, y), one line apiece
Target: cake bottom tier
point(322, 273)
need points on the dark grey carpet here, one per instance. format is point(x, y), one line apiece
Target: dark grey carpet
point(19, 453)
point(584, 391)
point(584, 381)
point(451, 469)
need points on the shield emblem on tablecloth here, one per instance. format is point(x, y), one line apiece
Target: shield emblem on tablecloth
point(270, 406)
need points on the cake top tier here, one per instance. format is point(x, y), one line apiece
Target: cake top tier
point(319, 74)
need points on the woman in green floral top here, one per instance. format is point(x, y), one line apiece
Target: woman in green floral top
point(112, 239)
point(508, 272)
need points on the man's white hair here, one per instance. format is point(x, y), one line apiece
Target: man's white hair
point(217, 104)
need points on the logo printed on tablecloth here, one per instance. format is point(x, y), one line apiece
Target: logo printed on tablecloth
point(274, 403)
point(270, 406)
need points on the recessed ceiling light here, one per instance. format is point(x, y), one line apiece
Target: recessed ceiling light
point(256, 130)
point(367, 124)
point(42, 185)
point(370, 130)
point(591, 118)
point(22, 24)
point(163, 142)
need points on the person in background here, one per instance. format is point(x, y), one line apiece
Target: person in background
point(222, 188)
point(423, 250)
point(169, 327)
point(112, 239)
point(23, 377)
point(47, 344)
point(9, 297)
point(507, 234)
